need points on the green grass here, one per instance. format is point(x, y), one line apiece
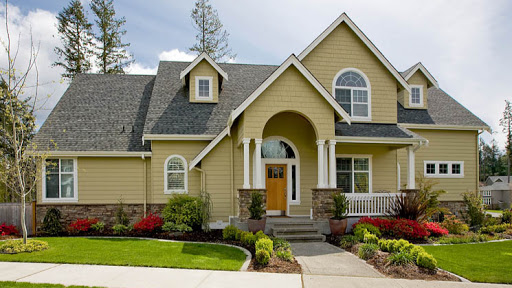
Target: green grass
point(486, 262)
point(495, 211)
point(134, 252)
point(32, 285)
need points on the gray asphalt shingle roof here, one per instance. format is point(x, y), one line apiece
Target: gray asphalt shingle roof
point(371, 130)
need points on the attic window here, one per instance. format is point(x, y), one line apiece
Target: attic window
point(204, 88)
point(416, 99)
point(352, 91)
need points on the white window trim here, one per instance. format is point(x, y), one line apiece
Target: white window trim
point(486, 193)
point(449, 175)
point(421, 96)
point(367, 88)
point(176, 191)
point(75, 183)
point(370, 177)
point(210, 86)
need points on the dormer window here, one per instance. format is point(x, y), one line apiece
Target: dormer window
point(416, 99)
point(204, 88)
point(352, 91)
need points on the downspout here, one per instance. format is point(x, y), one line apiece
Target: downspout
point(144, 189)
point(478, 161)
point(232, 180)
point(203, 179)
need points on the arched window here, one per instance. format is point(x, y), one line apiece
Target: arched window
point(277, 149)
point(352, 91)
point(176, 179)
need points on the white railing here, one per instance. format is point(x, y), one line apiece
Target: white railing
point(375, 204)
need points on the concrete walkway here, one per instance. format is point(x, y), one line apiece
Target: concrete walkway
point(321, 258)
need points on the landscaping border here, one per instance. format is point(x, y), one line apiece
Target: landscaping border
point(437, 244)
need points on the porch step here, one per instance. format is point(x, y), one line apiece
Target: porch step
point(297, 231)
point(278, 232)
point(303, 238)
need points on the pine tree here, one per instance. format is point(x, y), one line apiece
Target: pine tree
point(211, 37)
point(111, 54)
point(506, 123)
point(75, 34)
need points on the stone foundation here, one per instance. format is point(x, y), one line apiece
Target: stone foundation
point(323, 203)
point(244, 200)
point(454, 206)
point(104, 212)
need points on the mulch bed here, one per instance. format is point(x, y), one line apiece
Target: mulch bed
point(276, 265)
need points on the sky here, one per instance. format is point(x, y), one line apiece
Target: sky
point(466, 45)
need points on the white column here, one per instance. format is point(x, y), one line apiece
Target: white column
point(320, 145)
point(326, 165)
point(246, 142)
point(332, 164)
point(257, 182)
point(411, 182)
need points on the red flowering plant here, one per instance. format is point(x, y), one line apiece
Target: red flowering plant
point(149, 224)
point(81, 225)
point(6, 230)
point(435, 229)
point(399, 228)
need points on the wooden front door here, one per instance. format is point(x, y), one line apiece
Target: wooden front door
point(276, 186)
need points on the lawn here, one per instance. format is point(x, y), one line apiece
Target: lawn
point(134, 252)
point(32, 285)
point(486, 262)
point(495, 211)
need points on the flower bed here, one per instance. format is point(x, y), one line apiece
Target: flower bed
point(8, 230)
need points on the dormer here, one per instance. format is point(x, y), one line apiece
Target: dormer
point(204, 78)
point(419, 79)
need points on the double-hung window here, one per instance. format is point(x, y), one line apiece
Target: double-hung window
point(353, 174)
point(60, 181)
point(204, 88)
point(416, 99)
point(352, 92)
point(444, 169)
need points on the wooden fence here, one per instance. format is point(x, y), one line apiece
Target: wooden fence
point(10, 214)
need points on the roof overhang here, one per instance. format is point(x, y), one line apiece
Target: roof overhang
point(425, 72)
point(381, 140)
point(179, 137)
point(345, 19)
point(91, 154)
point(443, 127)
point(203, 56)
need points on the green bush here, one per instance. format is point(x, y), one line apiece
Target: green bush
point(474, 214)
point(262, 257)
point(359, 230)
point(416, 250)
point(170, 227)
point(184, 209)
point(367, 251)
point(284, 254)
point(370, 238)
point(280, 243)
point(454, 226)
point(121, 216)
point(401, 258)
point(462, 239)
point(229, 233)
point(247, 238)
point(51, 222)
point(238, 234)
point(491, 221)
point(500, 228)
point(426, 260)
point(507, 217)
point(17, 246)
point(401, 245)
point(98, 227)
point(256, 210)
point(340, 206)
point(347, 241)
point(383, 245)
point(120, 229)
point(265, 244)
point(260, 235)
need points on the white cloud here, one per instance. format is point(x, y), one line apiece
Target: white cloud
point(137, 68)
point(176, 55)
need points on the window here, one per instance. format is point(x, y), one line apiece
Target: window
point(416, 99)
point(353, 174)
point(277, 149)
point(204, 88)
point(352, 92)
point(175, 175)
point(444, 169)
point(487, 201)
point(60, 181)
point(486, 193)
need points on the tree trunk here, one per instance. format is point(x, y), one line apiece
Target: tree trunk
point(23, 220)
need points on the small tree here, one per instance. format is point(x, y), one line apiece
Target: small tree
point(506, 123)
point(474, 214)
point(341, 203)
point(211, 37)
point(111, 54)
point(256, 210)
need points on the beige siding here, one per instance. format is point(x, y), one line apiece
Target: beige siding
point(290, 92)
point(204, 69)
point(417, 78)
point(343, 49)
point(446, 145)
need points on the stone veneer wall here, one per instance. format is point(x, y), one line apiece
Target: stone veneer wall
point(454, 206)
point(244, 200)
point(104, 212)
point(322, 202)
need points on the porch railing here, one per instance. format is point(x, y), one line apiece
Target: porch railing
point(374, 204)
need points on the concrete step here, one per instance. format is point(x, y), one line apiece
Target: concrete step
point(278, 232)
point(293, 226)
point(304, 238)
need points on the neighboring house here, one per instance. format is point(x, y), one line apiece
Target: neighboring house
point(497, 192)
point(337, 116)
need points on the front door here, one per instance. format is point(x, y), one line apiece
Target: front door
point(276, 186)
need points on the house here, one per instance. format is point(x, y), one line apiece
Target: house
point(336, 117)
point(497, 192)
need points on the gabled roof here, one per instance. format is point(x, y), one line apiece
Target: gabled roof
point(345, 19)
point(203, 56)
point(419, 66)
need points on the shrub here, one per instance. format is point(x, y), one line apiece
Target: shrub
point(383, 245)
point(247, 238)
point(347, 241)
point(265, 244)
point(285, 254)
point(149, 224)
point(256, 207)
point(506, 217)
point(381, 223)
point(435, 229)
point(238, 234)
point(51, 222)
point(364, 228)
point(453, 225)
point(260, 235)
point(280, 244)
point(495, 228)
point(184, 209)
point(367, 251)
point(8, 230)
point(401, 258)
point(262, 257)
point(408, 229)
point(98, 227)
point(121, 217)
point(370, 238)
point(229, 233)
point(340, 206)
point(462, 239)
point(416, 250)
point(120, 229)
point(474, 214)
point(81, 225)
point(170, 227)
point(17, 246)
point(206, 210)
point(426, 260)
